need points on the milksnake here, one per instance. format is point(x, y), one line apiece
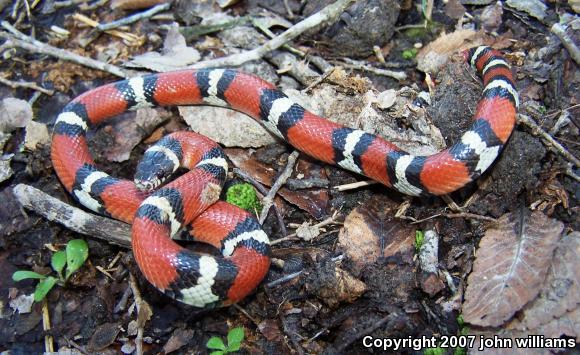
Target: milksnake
point(209, 281)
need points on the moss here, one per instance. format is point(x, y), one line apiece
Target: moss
point(244, 196)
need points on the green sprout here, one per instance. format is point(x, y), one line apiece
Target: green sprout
point(434, 351)
point(419, 240)
point(74, 256)
point(235, 338)
point(244, 196)
point(409, 53)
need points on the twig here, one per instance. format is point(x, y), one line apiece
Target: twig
point(143, 314)
point(550, 142)
point(110, 230)
point(268, 200)
point(20, 40)
point(328, 14)
point(320, 79)
point(48, 340)
point(264, 192)
point(244, 312)
point(354, 185)
point(134, 18)
point(329, 220)
point(568, 42)
point(129, 37)
point(399, 75)
point(27, 85)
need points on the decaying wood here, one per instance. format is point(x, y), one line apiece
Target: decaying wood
point(73, 218)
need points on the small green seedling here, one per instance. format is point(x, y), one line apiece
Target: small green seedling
point(244, 196)
point(235, 338)
point(73, 258)
point(409, 53)
point(419, 240)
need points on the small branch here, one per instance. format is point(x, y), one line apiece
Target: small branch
point(48, 340)
point(268, 200)
point(354, 185)
point(27, 85)
point(134, 18)
point(399, 75)
point(568, 42)
point(129, 37)
point(328, 14)
point(264, 192)
point(549, 141)
point(22, 41)
point(73, 218)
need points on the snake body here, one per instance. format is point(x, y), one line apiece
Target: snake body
point(209, 281)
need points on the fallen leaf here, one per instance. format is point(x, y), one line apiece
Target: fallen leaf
point(227, 127)
point(436, 54)
point(104, 335)
point(512, 261)
point(313, 201)
point(129, 132)
point(534, 8)
point(179, 338)
point(270, 329)
point(371, 232)
point(14, 113)
point(560, 294)
point(333, 284)
point(175, 54)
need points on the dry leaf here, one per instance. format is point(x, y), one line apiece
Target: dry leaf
point(371, 232)
point(436, 54)
point(179, 338)
point(175, 54)
point(561, 291)
point(512, 261)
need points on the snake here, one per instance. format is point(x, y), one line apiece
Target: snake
point(191, 202)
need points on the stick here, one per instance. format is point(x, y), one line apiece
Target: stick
point(27, 85)
point(568, 42)
point(20, 40)
point(134, 18)
point(328, 14)
point(73, 218)
point(268, 200)
point(264, 192)
point(550, 142)
point(384, 72)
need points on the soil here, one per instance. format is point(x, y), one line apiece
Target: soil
point(318, 308)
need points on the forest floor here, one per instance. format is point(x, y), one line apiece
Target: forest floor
point(356, 267)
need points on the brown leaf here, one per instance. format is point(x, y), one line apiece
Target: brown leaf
point(313, 201)
point(512, 261)
point(270, 329)
point(179, 338)
point(371, 231)
point(104, 335)
point(129, 132)
point(560, 295)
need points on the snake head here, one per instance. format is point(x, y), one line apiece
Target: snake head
point(153, 170)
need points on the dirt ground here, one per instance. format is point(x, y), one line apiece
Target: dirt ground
point(354, 269)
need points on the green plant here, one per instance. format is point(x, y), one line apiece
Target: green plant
point(235, 338)
point(244, 196)
point(409, 53)
point(419, 240)
point(74, 256)
point(434, 351)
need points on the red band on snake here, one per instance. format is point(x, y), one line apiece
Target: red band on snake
point(208, 281)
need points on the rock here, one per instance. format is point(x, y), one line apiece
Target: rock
point(365, 24)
